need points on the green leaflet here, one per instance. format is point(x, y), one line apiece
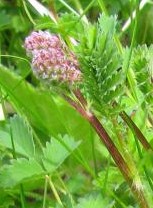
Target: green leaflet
point(101, 63)
point(53, 155)
point(21, 135)
point(142, 65)
point(20, 169)
point(56, 151)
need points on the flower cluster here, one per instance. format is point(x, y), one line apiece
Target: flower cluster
point(50, 59)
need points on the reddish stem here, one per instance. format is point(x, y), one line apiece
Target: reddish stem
point(80, 97)
point(105, 138)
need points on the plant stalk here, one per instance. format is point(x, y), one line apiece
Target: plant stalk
point(45, 193)
point(135, 185)
point(56, 195)
point(136, 131)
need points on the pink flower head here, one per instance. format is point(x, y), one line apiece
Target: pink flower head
point(50, 60)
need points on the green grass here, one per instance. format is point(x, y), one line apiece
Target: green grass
point(89, 145)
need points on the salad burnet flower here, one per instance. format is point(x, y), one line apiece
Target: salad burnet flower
point(51, 60)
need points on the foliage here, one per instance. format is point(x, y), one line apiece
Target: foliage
point(53, 148)
point(50, 155)
point(17, 171)
point(93, 200)
point(142, 65)
point(101, 63)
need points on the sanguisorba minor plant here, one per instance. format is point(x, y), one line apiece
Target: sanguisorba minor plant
point(98, 77)
point(92, 79)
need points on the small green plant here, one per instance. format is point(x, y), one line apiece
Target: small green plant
point(81, 130)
